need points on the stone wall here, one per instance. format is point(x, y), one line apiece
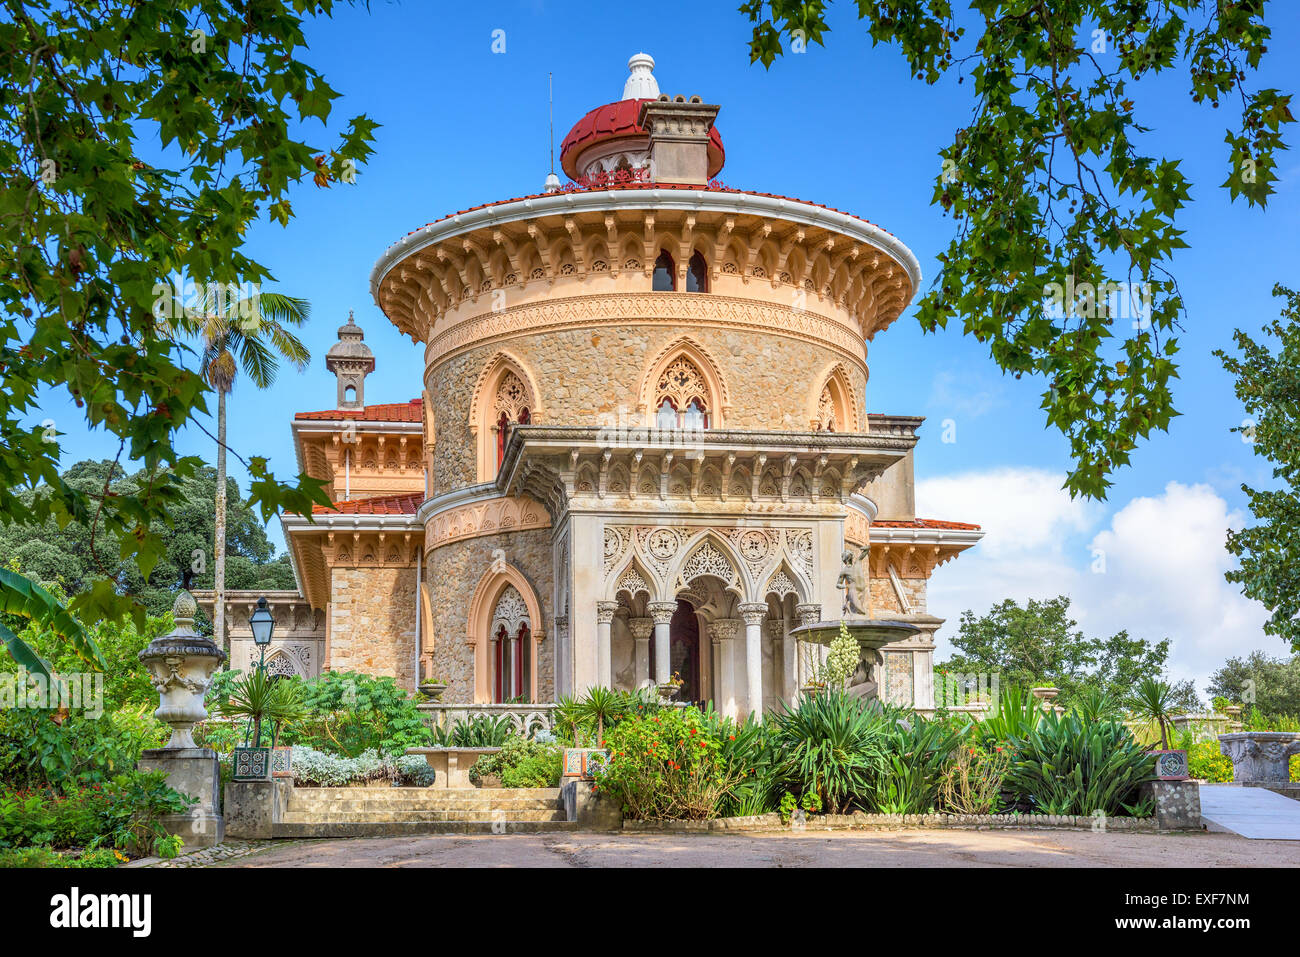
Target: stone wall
point(453, 574)
point(885, 599)
point(586, 377)
point(372, 622)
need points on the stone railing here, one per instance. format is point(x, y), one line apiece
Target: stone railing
point(524, 718)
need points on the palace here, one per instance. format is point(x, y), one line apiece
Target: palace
point(640, 450)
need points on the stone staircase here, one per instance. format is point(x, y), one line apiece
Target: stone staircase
point(393, 812)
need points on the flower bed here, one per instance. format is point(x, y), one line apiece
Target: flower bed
point(860, 820)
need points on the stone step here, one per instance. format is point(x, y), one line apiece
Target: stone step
point(345, 806)
point(408, 828)
point(292, 816)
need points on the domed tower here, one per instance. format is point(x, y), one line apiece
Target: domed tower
point(644, 397)
point(351, 360)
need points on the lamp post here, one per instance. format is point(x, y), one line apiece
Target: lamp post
point(262, 623)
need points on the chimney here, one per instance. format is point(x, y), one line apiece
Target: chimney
point(679, 138)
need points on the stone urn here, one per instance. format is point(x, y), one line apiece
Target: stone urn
point(1260, 757)
point(433, 689)
point(669, 691)
point(180, 665)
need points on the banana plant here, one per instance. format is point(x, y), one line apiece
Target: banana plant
point(22, 597)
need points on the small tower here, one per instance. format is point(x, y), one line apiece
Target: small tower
point(351, 360)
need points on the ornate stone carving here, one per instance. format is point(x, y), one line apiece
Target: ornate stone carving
point(605, 611)
point(724, 629)
point(510, 611)
point(661, 612)
point(808, 613)
point(507, 514)
point(753, 612)
point(632, 582)
point(620, 310)
point(1260, 756)
point(781, 584)
point(642, 627)
point(707, 560)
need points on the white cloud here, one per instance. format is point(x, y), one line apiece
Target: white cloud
point(1163, 562)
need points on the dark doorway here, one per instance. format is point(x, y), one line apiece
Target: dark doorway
point(684, 650)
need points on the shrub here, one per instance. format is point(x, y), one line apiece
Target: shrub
point(1207, 762)
point(47, 857)
point(354, 713)
point(747, 762)
point(972, 780)
point(482, 732)
point(125, 813)
point(1014, 714)
point(312, 768)
point(665, 766)
point(831, 744)
point(1068, 766)
point(36, 750)
point(912, 772)
point(521, 764)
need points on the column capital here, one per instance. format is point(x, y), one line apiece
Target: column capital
point(724, 629)
point(808, 613)
point(753, 612)
point(662, 611)
point(605, 611)
point(775, 628)
point(641, 627)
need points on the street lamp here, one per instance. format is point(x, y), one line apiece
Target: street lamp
point(263, 625)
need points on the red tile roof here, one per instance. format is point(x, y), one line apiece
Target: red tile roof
point(713, 187)
point(620, 119)
point(407, 503)
point(393, 412)
point(926, 523)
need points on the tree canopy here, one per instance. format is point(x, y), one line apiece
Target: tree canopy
point(1065, 213)
point(1040, 644)
point(1270, 684)
point(140, 142)
point(62, 556)
point(1268, 385)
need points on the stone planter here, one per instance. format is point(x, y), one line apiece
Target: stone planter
point(433, 689)
point(251, 764)
point(1171, 765)
point(669, 691)
point(451, 765)
point(1260, 757)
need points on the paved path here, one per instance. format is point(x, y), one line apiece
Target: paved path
point(903, 848)
point(1255, 813)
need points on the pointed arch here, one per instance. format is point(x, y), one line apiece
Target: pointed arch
point(717, 402)
point(831, 403)
point(708, 554)
point(504, 387)
point(483, 618)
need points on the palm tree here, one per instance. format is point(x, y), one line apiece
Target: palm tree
point(1154, 701)
point(252, 334)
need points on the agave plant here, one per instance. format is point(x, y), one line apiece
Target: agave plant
point(1013, 714)
point(1097, 704)
point(916, 752)
point(481, 732)
point(830, 744)
point(1066, 765)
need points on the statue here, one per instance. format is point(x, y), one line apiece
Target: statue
point(854, 583)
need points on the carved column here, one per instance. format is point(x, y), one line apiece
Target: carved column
point(783, 650)
point(754, 613)
point(662, 613)
point(641, 628)
point(808, 614)
point(723, 632)
point(604, 619)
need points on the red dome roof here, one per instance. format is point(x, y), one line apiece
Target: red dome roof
point(614, 120)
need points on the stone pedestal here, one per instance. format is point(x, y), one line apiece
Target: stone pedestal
point(1178, 804)
point(192, 771)
point(253, 808)
point(1260, 757)
point(591, 809)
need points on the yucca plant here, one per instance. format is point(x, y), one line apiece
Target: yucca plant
point(1066, 765)
point(830, 744)
point(260, 698)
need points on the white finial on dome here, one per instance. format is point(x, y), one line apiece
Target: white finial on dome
point(641, 85)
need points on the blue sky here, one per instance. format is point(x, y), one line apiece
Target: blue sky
point(844, 126)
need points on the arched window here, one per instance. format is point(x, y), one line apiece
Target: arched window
point(697, 276)
point(511, 659)
point(510, 405)
point(665, 276)
point(681, 397)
